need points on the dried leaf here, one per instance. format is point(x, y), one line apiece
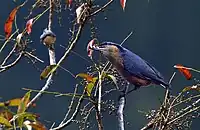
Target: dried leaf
point(6, 114)
point(27, 125)
point(85, 76)
point(5, 122)
point(38, 125)
point(123, 4)
point(13, 103)
point(113, 78)
point(29, 25)
point(47, 71)
point(79, 13)
point(19, 37)
point(9, 22)
point(184, 70)
point(194, 87)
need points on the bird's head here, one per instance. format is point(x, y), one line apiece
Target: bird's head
point(108, 49)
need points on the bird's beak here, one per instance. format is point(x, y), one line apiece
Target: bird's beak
point(98, 48)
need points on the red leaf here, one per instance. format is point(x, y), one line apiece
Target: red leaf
point(184, 71)
point(9, 22)
point(123, 4)
point(29, 25)
point(89, 47)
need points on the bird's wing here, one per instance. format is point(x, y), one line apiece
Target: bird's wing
point(136, 66)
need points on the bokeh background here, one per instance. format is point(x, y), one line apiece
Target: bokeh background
point(165, 33)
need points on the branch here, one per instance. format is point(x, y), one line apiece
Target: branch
point(120, 111)
point(52, 59)
point(98, 116)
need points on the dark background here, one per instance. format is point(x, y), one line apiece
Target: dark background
point(166, 32)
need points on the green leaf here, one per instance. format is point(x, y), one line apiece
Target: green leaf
point(22, 108)
point(12, 102)
point(89, 87)
point(24, 102)
point(5, 122)
point(47, 71)
point(27, 115)
point(113, 78)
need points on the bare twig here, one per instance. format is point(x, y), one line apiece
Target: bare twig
point(3, 68)
point(184, 114)
point(69, 121)
point(102, 8)
point(152, 122)
point(5, 43)
point(33, 56)
point(70, 106)
point(9, 55)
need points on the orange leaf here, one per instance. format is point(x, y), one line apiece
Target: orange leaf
point(29, 26)
point(9, 22)
point(38, 125)
point(184, 71)
point(85, 76)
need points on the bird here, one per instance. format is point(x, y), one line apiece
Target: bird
point(130, 66)
point(48, 38)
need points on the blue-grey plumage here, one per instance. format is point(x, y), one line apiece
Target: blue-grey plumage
point(133, 68)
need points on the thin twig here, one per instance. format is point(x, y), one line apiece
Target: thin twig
point(33, 56)
point(69, 121)
point(70, 106)
point(5, 43)
point(102, 8)
point(184, 114)
point(77, 54)
point(126, 38)
point(9, 55)
point(3, 68)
